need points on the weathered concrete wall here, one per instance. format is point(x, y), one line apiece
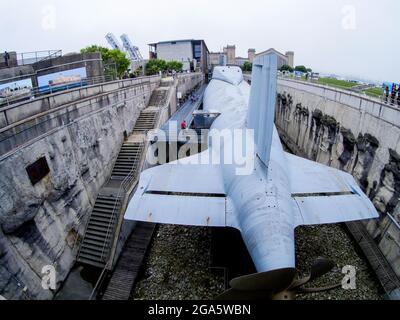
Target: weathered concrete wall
point(352, 133)
point(91, 61)
point(27, 121)
point(12, 62)
point(18, 72)
point(39, 224)
point(9, 115)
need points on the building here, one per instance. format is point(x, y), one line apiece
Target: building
point(241, 61)
point(251, 55)
point(192, 53)
point(230, 52)
point(290, 56)
point(228, 57)
point(216, 59)
point(282, 59)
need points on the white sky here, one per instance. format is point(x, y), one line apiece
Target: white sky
point(347, 37)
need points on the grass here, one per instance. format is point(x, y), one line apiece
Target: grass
point(341, 84)
point(374, 92)
point(346, 85)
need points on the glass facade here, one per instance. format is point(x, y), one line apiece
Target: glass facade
point(197, 51)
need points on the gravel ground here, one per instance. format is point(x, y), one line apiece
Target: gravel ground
point(177, 265)
point(332, 242)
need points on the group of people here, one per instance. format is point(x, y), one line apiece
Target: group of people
point(193, 98)
point(392, 95)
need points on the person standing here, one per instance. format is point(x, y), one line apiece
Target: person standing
point(7, 58)
point(394, 91)
point(398, 96)
point(183, 125)
point(387, 94)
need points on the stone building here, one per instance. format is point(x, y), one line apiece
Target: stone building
point(282, 58)
point(216, 59)
point(251, 55)
point(290, 56)
point(230, 52)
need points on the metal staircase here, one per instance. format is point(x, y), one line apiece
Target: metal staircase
point(97, 245)
point(146, 121)
point(158, 97)
point(97, 242)
point(128, 160)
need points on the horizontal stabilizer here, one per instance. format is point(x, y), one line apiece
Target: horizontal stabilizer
point(179, 194)
point(326, 195)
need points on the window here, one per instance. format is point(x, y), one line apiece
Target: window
point(197, 51)
point(38, 170)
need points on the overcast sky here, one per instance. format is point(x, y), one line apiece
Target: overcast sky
point(346, 37)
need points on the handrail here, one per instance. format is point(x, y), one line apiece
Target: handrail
point(27, 58)
point(394, 221)
point(381, 99)
point(125, 183)
point(36, 92)
point(100, 279)
point(41, 119)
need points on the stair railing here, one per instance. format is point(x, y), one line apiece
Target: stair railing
point(121, 196)
point(127, 182)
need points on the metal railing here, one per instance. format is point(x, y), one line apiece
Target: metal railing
point(385, 233)
point(122, 195)
point(390, 99)
point(27, 93)
point(124, 188)
point(12, 140)
point(385, 98)
point(27, 58)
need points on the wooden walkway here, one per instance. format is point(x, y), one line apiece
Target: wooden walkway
point(129, 263)
point(387, 277)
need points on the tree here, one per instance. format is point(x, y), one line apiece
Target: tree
point(286, 67)
point(175, 65)
point(247, 66)
point(301, 69)
point(111, 56)
point(155, 66)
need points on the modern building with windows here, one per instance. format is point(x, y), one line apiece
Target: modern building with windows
point(192, 53)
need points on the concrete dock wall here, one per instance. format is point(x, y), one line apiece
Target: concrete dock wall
point(353, 133)
point(41, 223)
point(23, 122)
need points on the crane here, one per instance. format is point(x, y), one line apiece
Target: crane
point(113, 42)
point(133, 51)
